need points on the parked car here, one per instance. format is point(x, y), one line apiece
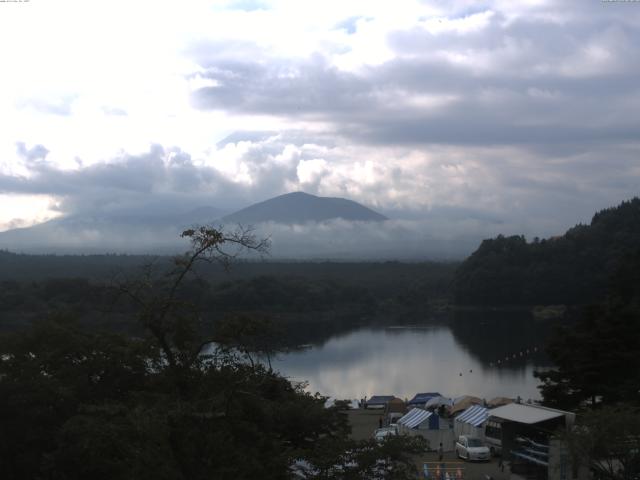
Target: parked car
point(381, 433)
point(472, 448)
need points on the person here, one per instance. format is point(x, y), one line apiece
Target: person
point(380, 422)
point(440, 452)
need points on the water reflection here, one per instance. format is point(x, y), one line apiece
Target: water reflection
point(502, 336)
point(454, 360)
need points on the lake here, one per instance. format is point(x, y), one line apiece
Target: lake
point(485, 357)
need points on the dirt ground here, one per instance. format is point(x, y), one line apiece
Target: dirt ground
point(364, 422)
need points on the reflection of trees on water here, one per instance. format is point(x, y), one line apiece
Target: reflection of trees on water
point(489, 337)
point(317, 328)
point(501, 339)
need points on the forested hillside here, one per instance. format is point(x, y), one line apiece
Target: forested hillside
point(574, 268)
point(309, 301)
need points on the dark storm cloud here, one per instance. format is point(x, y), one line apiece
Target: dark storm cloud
point(164, 179)
point(311, 88)
point(529, 81)
point(160, 180)
point(139, 203)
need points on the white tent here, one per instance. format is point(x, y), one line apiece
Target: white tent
point(471, 421)
point(530, 414)
point(415, 419)
point(427, 425)
point(352, 403)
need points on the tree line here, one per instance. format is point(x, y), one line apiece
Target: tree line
point(572, 269)
point(595, 270)
point(172, 402)
point(309, 302)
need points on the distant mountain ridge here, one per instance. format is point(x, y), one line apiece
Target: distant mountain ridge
point(300, 207)
point(138, 232)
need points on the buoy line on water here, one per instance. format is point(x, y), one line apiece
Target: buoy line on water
point(515, 356)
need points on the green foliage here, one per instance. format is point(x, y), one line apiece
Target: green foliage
point(288, 293)
point(596, 356)
point(76, 405)
point(306, 300)
point(48, 373)
point(253, 336)
point(608, 442)
point(571, 269)
point(344, 459)
point(596, 360)
point(79, 403)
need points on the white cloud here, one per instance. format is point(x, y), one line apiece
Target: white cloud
point(311, 171)
point(505, 107)
point(19, 211)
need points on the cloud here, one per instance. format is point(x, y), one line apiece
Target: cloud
point(350, 25)
point(114, 111)
point(33, 154)
point(442, 201)
point(62, 105)
point(486, 78)
point(166, 178)
point(495, 184)
point(494, 112)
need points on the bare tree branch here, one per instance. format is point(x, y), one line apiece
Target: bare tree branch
point(160, 310)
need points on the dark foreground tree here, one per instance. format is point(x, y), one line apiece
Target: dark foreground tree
point(597, 360)
point(608, 442)
point(597, 356)
point(78, 404)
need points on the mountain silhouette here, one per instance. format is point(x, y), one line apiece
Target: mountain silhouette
point(300, 207)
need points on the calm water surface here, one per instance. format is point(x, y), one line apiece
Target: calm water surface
point(454, 360)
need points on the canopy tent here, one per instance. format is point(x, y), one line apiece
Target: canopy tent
point(378, 401)
point(437, 402)
point(527, 432)
point(427, 425)
point(464, 402)
point(499, 401)
point(530, 414)
point(422, 398)
point(418, 418)
point(474, 415)
point(471, 421)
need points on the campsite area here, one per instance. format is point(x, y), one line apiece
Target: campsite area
point(364, 421)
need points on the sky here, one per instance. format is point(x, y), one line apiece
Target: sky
point(454, 117)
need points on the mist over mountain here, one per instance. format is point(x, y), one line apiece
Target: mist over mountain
point(300, 226)
point(103, 232)
point(300, 207)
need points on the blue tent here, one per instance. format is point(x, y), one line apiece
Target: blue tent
point(422, 398)
point(379, 400)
